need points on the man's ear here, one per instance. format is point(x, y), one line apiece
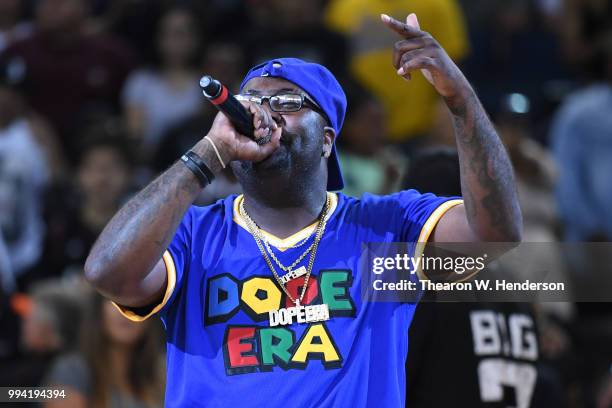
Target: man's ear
point(328, 141)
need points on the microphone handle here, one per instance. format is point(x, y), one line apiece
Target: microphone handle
point(222, 99)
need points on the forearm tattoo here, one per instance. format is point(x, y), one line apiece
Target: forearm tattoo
point(487, 179)
point(135, 238)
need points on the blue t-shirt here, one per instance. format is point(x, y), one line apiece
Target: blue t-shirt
point(221, 350)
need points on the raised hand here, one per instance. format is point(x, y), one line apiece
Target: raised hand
point(418, 50)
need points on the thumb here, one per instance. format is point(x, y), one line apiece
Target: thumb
point(413, 21)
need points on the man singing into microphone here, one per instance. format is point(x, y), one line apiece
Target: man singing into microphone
point(259, 293)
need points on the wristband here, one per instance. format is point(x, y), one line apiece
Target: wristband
point(198, 168)
point(201, 165)
point(195, 170)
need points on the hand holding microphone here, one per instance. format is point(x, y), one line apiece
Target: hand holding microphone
point(239, 116)
point(239, 126)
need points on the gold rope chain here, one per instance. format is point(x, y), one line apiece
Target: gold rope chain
point(255, 232)
point(301, 243)
point(294, 264)
point(269, 249)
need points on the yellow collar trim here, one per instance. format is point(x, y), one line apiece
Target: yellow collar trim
point(283, 244)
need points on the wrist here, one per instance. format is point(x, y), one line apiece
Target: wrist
point(215, 162)
point(458, 102)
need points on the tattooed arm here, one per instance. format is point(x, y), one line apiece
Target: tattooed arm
point(125, 262)
point(491, 211)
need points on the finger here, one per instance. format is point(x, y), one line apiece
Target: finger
point(257, 115)
point(252, 151)
point(413, 21)
point(261, 132)
point(410, 55)
point(269, 121)
point(403, 46)
point(402, 29)
point(407, 57)
point(268, 148)
point(421, 62)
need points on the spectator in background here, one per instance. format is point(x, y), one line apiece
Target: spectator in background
point(434, 169)
point(535, 170)
point(133, 21)
point(581, 139)
point(368, 165)
point(67, 72)
point(410, 108)
point(103, 179)
point(11, 29)
point(120, 364)
point(469, 374)
point(225, 62)
point(281, 28)
point(586, 21)
point(24, 173)
point(514, 51)
point(7, 278)
point(156, 98)
point(535, 175)
point(8, 319)
point(50, 316)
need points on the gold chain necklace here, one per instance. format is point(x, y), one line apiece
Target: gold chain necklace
point(302, 242)
point(294, 264)
point(255, 232)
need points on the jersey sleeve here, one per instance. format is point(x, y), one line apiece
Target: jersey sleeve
point(420, 214)
point(176, 259)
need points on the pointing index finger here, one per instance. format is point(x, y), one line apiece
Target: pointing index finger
point(402, 29)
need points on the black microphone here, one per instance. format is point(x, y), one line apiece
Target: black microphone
point(222, 99)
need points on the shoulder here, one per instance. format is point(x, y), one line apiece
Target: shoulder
point(382, 210)
point(406, 213)
point(585, 101)
point(386, 203)
point(143, 78)
point(213, 215)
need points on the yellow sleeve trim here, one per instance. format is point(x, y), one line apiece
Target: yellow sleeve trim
point(428, 228)
point(171, 274)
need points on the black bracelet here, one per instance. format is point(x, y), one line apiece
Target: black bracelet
point(196, 170)
point(201, 165)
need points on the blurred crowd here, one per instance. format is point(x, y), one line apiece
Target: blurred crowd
point(99, 96)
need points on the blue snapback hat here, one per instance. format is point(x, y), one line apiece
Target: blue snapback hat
point(322, 87)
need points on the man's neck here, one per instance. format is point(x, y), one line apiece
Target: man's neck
point(285, 213)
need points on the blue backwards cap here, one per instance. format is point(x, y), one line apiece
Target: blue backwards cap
point(322, 87)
